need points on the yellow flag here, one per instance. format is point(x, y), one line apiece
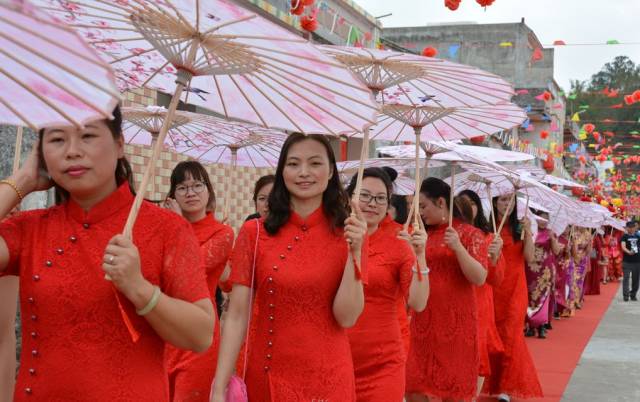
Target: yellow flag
point(575, 117)
point(506, 44)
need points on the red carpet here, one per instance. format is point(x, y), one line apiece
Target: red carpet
point(557, 356)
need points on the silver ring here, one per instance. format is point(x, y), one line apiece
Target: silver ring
point(111, 258)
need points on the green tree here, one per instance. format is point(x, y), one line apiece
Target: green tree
point(600, 101)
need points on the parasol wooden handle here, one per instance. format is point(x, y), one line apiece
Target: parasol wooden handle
point(451, 193)
point(526, 210)
point(227, 201)
point(504, 218)
point(409, 217)
point(18, 151)
point(416, 196)
point(364, 154)
point(183, 78)
point(493, 216)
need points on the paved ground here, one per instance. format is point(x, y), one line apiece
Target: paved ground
point(609, 369)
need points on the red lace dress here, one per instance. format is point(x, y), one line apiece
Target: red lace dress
point(489, 342)
point(377, 346)
point(513, 372)
point(297, 352)
point(75, 345)
point(443, 357)
point(191, 374)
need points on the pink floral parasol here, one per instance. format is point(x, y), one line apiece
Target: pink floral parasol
point(206, 138)
point(49, 76)
point(445, 83)
point(497, 180)
point(244, 67)
point(222, 57)
point(435, 84)
point(458, 153)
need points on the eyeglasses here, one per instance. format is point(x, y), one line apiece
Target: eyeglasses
point(379, 199)
point(197, 188)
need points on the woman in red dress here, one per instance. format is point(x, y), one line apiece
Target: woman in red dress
point(513, 373)
point(86, 338)
point(191, 195)
point(599, 261)
point(443, 357)
point(8, 308)
point(393, 264)
point(489, 342)
point(615, 255)
point(307, 284)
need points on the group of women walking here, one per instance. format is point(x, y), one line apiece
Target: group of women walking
point(331, 299)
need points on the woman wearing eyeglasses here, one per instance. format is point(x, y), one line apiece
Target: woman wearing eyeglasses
point(397, 268)
point(191, 195)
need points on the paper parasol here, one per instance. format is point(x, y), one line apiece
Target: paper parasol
point(49, 76)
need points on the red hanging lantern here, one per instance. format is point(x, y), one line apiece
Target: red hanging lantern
point(452, 4)
point(477, 140)
point(636, 95)
point(297, 8)
point(429, 52)
point(544, 134)
point(589, 128)
point(629, 100)
point(577, 191)
point(546, 95)
point(485, 3)
point(309, 23)
point(582, 159)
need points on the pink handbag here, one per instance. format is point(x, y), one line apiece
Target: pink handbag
point(237, 389)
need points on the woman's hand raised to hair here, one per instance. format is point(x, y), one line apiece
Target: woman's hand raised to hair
point(122, 263)
point(172, 205)
point(30, 177)
point(355, 228)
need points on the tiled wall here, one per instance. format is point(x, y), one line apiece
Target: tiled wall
point(238, 187)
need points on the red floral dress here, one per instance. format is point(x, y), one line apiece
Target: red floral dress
point(443, 357)
point(512, 373)
point(191, 374)
point(297, 351)
point(377, 346)
point(489, 342)
point(75, 345)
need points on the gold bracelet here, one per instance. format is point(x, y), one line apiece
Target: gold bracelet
point(14, 186)
point(152, 303)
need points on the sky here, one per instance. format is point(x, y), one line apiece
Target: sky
point(573, 21)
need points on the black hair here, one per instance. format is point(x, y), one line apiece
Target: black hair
point(434, 188)
point(123, 171)
point(197, 172)
point(480, 221)
point(399, 202)
point(335, 202)
point(263, 181)
point(512, 220)
point(377, 173)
